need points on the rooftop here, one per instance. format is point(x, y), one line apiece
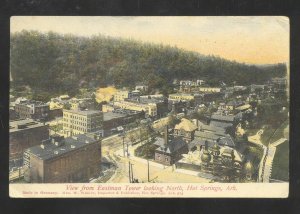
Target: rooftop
point(18, 125)
point(219, 124)
point(32, 102)
point(83, 112)
point(235, 103)
point(243, 107)
point(172, 146)
point(227, 118)
point(186, 125)
point(209, 135)
point(210, 128)
point(112, 115)
point(51, 147)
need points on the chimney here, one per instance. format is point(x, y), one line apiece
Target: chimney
point(166, 135)
point(206, 145)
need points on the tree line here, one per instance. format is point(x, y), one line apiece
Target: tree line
point(55, 63)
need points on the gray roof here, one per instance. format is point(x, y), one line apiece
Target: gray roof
point(219, 124)
point(227, 141)
point(35, 102)
point(227, 118)
point(83, 112)
point(235, 103)
point(19, 125)
point(51, 150)
point(222, 141)
point(209, 135)
point(210, 128)
point(200, 142)
point(172, 146)
point(112, 115)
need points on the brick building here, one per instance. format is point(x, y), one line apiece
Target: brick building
point(32, 109)
point(24, 134)
point(170, 149)
point(63, 160)
point(119, 117)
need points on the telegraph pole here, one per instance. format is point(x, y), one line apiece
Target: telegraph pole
point(129, 174)
point(148, 170)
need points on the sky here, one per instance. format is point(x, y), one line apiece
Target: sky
point(251, 40)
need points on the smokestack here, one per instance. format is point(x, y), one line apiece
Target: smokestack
point(166, 135)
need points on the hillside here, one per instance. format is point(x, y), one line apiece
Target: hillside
point(54, 63)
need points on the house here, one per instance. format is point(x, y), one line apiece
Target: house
point(141, 87)
point(170, 149)
point(63, 160)
point(185, 129)
point(232, 105)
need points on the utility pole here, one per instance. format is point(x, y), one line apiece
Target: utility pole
point(148, 170)
point(123, 148)
point(127, 149)
point(129, 174)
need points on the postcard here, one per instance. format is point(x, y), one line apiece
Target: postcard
point(139, 106)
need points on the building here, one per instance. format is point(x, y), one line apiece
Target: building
point(254, 87)
point(232, 105)
point(122, 95)
point(244, 108)
point(32, 109)
point(279, 85)
point(181, 97)
point(191, 82)
point(108, 107)
point(63, 160)
point(239, 88)
point(170, 149)
point(81, 104)
point(210, 89)
point(114, 119)
point(193, 99)
point(185, 129)
point(13, 114)
point(150, 109)
point(177, 106)
point(161, 103)
point(22, 135)
point(223, 121)
point(141, 87)
point(279, 81)
point(81, 121)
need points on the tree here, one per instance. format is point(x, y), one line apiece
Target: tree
point(72, 62)
point(67, 106)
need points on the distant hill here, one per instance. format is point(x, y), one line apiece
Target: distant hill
point(63, 63)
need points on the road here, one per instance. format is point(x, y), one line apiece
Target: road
point(112, 148)
point(158, 172)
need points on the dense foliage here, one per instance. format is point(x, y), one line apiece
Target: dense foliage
point(57, 63)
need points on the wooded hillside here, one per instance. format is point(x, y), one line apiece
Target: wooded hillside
point(63, 63)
